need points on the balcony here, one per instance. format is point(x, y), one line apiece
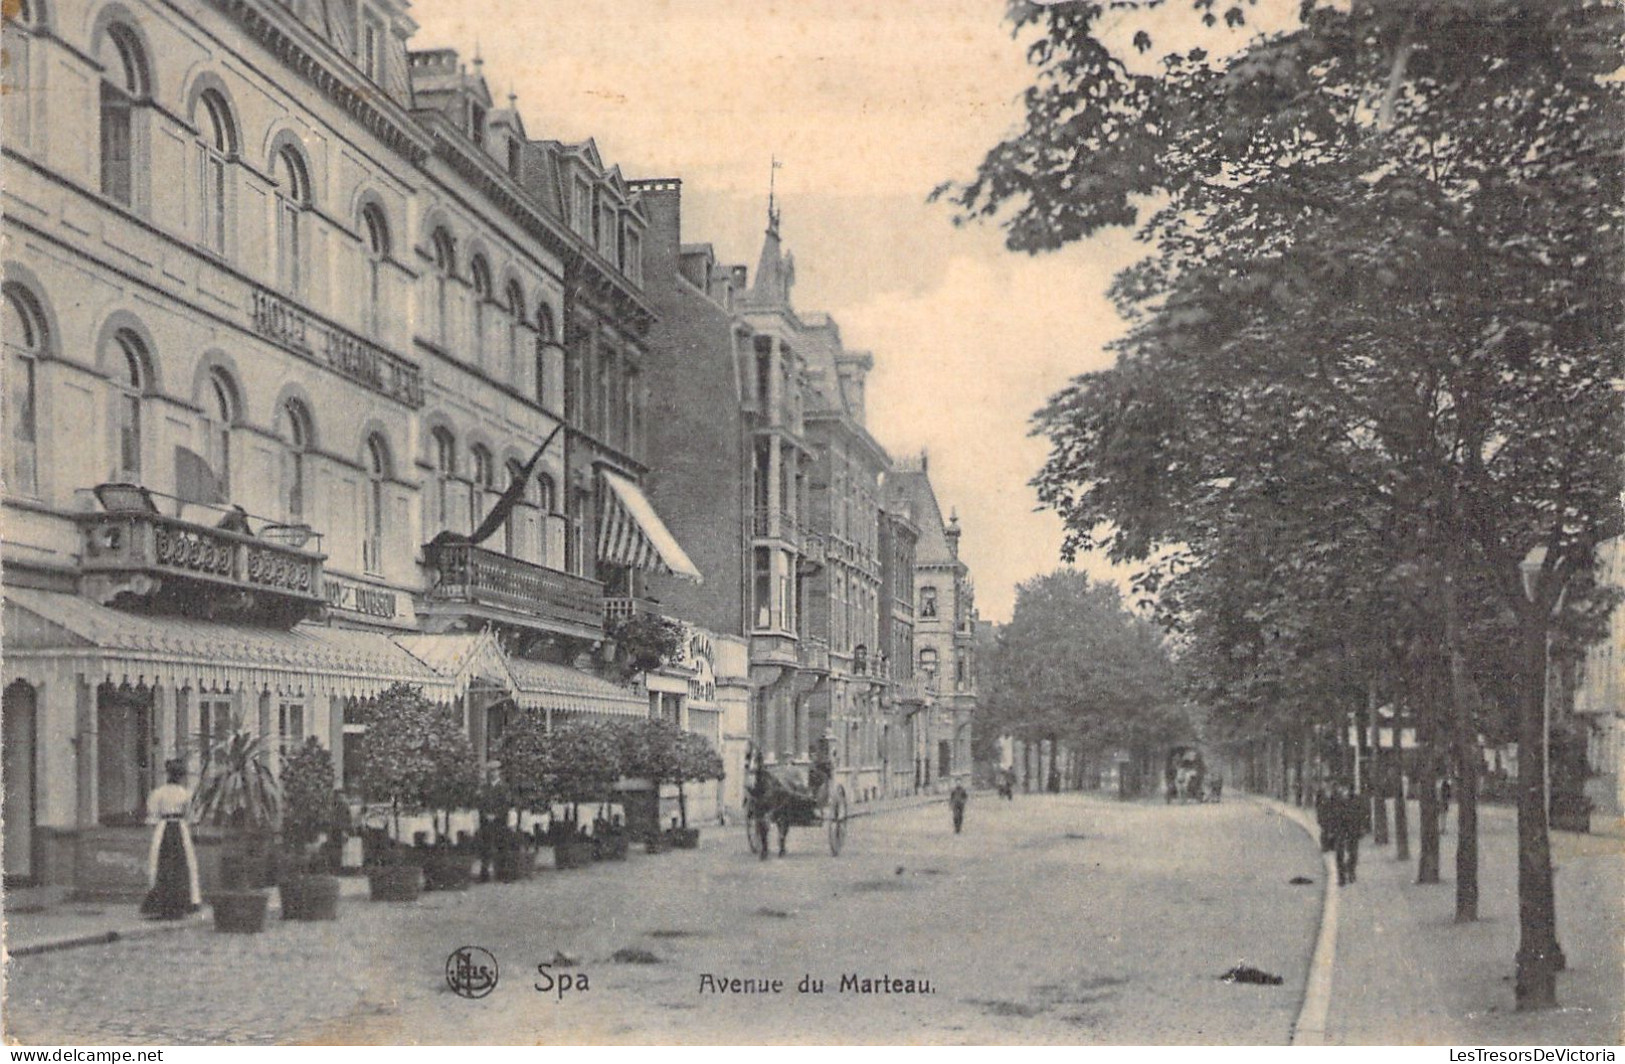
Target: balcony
point(769, 522)
point(813, 655)
point(520, 590)
point(146, 552)
point(620, 608)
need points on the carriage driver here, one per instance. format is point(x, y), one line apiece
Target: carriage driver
point(823, 766)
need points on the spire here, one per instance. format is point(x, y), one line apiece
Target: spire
point(772, 202)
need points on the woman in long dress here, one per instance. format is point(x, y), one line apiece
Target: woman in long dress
point(171, 863)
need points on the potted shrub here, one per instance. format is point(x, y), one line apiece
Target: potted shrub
point(240, 795)
point(697, 762)
point(644, 642)
point(308, 889)
point(583, 761)
point(525, 783)
point(650, 757)
point(454, 783)
point(397, 767)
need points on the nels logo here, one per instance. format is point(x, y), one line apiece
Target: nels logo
point(471, 972)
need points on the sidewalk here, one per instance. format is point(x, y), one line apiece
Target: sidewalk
point(1406, 974)
point(41, 920)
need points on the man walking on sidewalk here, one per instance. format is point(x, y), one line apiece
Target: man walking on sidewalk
point(1345, 823)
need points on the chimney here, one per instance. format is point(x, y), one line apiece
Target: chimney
point(952, 532)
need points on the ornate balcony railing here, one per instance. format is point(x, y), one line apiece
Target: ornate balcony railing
point(131, 544)
point(295, 329)
point(619, 608)
point(466, 573)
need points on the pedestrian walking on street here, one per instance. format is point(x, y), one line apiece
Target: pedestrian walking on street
point(171, 861)
point(956, 801)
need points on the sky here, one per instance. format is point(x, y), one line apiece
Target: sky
point(868, 106)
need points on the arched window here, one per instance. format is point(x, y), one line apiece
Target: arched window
point(217, 145)
point(516, 330)
point(928, 664)
point(219, 415)
point(479, 272)
point(372, 532)
point(928, 602)
point(445, 268)
point(444, 446)
point(548, 495)
point(124, 82)
point(546, 337)
point(510, 528)
point(292, 201)
point(375, 231)
point(130, 377)
point(484, 484)
point(294, 431)
point(23, 333)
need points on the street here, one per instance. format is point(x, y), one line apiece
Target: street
point(1051, 919)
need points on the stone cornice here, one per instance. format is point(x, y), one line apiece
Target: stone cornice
point(302, 51)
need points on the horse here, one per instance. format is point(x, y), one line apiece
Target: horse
point(782, 800)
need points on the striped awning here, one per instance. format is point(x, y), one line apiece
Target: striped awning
point(547, 686)
point(631, 533)
point(51, 629)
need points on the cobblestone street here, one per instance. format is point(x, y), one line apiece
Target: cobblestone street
point(1052, 919)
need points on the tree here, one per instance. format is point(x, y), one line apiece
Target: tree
point(698, 761)
point(1300, 194)
point(416, 755)
point(1073, 665)
point(581, 762)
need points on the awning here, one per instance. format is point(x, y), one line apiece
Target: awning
point(461, 659)
point(631, 533)
point(545, 686)
point(58, 631)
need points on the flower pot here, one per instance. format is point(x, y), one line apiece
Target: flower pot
point(514, 864)
point(239, 911)
point(684, 838)
point(446, 870)
point(577, 853)
point(656, 844)
point(612, 847)
point(395, 882)
point(309, 897)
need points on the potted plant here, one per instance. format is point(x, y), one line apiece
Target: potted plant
point(644, 642)
point(240, 794)
point(697, 761)
point(308, 889)
point(525, 783)
point(453, 784)
point(397, 767)
point(583, 761)
point(650, 760)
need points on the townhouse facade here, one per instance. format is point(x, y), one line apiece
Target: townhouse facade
point(290, 308)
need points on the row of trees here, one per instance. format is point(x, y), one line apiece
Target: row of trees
point(1074, 669)
point(1364, 432)
point(417, 758)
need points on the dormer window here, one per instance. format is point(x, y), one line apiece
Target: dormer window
point(632, 260)
point(608, 233)
point(372, 47)
point(513, 156)
point(581, 207)
point(476, 123)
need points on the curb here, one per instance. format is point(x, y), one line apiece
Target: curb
point(104, 938)
point(1309, 1029)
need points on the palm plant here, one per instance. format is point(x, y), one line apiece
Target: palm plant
point(239, 790)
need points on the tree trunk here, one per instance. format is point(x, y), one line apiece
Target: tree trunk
point(1402, 819)
point(1026, 767)
point(1464, 734)
point(1053, 784)
point(1427, 784)
point(1539, 958)
point(682, 805)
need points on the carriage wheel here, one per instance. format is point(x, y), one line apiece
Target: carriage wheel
point(750, 828)
point(837, 821)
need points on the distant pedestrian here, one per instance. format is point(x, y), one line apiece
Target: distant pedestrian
point(1345, 820)
point(171, 861)
point(957, 799)
point(1444, 804)
point(1216, 788)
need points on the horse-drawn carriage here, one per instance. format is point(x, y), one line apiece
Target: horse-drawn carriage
point(795, 795)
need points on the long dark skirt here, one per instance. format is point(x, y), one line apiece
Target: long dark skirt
point(171, 897)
